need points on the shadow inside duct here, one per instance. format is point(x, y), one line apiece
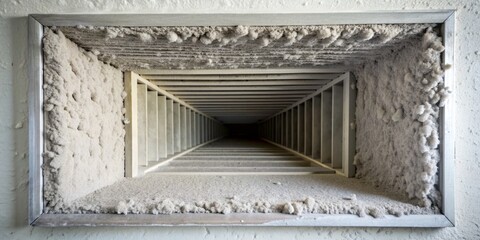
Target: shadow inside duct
point(248, 131)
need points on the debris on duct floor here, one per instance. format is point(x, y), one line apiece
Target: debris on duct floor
point(397, 119)
point(297, 194)
point(160, 193)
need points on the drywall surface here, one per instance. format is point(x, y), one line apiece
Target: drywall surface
point(240, 46)
point(83, 122)
point(14, 138)
point(398, 101)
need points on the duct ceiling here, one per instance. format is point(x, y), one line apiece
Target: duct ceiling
point(241, 74)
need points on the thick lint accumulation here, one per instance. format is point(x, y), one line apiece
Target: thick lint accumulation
point(240, 46)
point(399, 93)
point(294, 194)
point(397, 119)
point(84, 133)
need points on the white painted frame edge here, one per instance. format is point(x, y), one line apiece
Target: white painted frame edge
point(35, 119)
point(36, 217)
point(251, 19)
point(240, 219)
point(447, 125)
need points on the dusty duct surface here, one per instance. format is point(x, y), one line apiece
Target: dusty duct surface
point(240, 46)
point(397, 124)
point(399, 86)
point(84, 130)
point(329, 194)
point(167, 191)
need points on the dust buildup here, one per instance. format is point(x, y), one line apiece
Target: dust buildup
point(227, 47)
point(84, 133)
point(397, 119)
point(399, 97)
point(307, 194)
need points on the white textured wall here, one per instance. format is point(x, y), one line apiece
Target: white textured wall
point(13, 109)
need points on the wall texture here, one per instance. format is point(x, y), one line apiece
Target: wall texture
point(84, 134)
point(13, 128)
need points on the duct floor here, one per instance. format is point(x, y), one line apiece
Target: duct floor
point(186, 190)
point(241, 156)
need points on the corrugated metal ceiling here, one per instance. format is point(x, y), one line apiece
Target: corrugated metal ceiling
point(241, 98)
point(241, 74)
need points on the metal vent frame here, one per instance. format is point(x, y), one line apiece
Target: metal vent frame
point(37, 217)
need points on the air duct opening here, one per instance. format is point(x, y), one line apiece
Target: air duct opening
point(331, 119)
